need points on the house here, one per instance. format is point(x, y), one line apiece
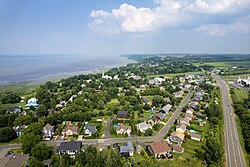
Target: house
point(181, 128)
point(146, 100)
point(158, 148)
point(165, 109)
point(19, 129)
point(177, 137)
point(184, 121)
point(167, 99)
point(15, 110)
point(192, 105)
point(70, 148)
point(70, 130)
point(178, 94)
point(195, 136)
point(143, 127)
point(32, 102)
point(121, 129)
point(178, 149)
point(48, 131)
point(156, 118)
point(127, 149)
point(122, 114)
point(190, 111)
point(188, 116)
point(202, 123)
point(89, 130)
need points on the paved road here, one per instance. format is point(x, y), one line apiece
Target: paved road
point(107, 135)
point(110, 141)
point(234, 153)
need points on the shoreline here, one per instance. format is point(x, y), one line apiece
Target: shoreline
point(63, 75)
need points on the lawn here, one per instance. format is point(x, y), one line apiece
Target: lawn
point(235, 77)
point(228, 64)
point(240, 94)
point(188, 158)
point(174, 75)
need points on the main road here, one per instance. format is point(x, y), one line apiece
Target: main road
point(234, 153)
point(110, 141)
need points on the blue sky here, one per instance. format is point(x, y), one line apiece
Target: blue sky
point(124, 26)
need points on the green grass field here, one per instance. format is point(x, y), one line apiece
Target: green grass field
point(21, 88)
point(174, 75)
point(240, 94)
point(226, 64)
point(234, 77)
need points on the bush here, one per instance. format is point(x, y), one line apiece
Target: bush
point(7, 134)
point(10, 98)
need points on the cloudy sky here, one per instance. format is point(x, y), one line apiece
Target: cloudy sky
point(124, 26)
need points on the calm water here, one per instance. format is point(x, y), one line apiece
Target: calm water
point(20, 68)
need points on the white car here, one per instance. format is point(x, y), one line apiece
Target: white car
point(230, 113)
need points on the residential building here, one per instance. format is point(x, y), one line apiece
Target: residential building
point(127, 149)
point(48, 131)
point(158, 148)
point(181, 128)
point(184, 121)
point(15, 110)
point(32, 102)
point(158, 117)
point(122, 114)
point(178, 149)
point(142, 127)
point(121, 129)
point(177, 137)
point(190, 111)
point(70, 148)
point(89, 130)
point(188, 116)
point(195, 136)
point(165, 109)
point(70, 130)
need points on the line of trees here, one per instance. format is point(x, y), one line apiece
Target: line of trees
point(242, 109)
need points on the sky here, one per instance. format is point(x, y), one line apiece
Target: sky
point(124, 26)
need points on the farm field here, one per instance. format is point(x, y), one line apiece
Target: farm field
point(240, 94)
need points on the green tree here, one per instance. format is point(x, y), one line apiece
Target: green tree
point(10, 97)
point(7, 134)
point(41, 111)
point(41, 151)
point(33, 162)
point(148, 132)
point(31, 136)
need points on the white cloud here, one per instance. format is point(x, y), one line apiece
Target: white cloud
point(240, 26)
point(167, 13)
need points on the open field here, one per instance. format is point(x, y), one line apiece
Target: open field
point(227, 64)
point(21, 88)
point(175, 74)
point(234, 77)
point(240, 94)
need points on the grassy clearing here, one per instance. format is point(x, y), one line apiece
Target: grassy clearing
point(227, 64)
point(240, 94)
point(234, 77)
point(188, 158)
point(174, 75)
point(21, 88)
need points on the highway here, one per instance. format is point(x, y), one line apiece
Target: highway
point(110, 141)
point(234, 153)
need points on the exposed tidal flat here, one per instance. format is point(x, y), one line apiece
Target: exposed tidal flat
point(37, 69)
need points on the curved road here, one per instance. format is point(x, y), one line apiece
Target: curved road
point(110, 141)
point(234, 153)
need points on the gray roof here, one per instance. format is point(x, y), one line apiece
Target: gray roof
point(48, 127)
point(127, 147)
point(72, 145)
point(91, 128)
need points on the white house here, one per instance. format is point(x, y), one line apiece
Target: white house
point(143, 127)
point(32, 102)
